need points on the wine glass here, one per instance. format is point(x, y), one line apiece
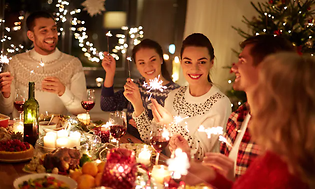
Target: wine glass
point(19, 101)
point(118, 125)
point(89, 102)
point(159, 138)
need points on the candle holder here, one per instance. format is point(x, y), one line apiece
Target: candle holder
point(172, 183)
point(120, 169)
point(102, 132)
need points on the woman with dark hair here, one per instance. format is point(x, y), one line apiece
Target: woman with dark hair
point(148, 58)
point(201, 103)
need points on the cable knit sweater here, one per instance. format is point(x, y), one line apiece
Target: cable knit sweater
point(66, 68)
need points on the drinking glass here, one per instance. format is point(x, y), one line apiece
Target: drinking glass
point(19, 101)
point(118, 125)
point(159, 138)
point(89, 102)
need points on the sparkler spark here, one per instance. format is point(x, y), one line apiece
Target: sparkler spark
point(154, 84)
point(108, 35)
point(4, 59)
point(178, 119)
point(178, 164)
point(223, 139)
point(129, 60)
point(211, 131)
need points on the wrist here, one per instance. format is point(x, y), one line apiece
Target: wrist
point(6, 95)
point(138, 110)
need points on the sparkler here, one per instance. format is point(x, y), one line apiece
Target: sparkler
point(214, 131)
point(223, 139)
point(178, 119)
point(154, 84)
point(128, 61)
point(42, 64)
point(108, 34)
point(3, 61)
point(178, 164)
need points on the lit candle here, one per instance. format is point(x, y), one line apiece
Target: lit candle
point(84, 118)
point(144, 156)
point(62, 142)
point(51, 133)
point(74, 139)
point(49, 141)
point(159, 172)
point(18, 127)
point(62, 134)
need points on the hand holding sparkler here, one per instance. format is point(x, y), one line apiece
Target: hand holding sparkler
point(223, 164)
point(5, 83)
point(160, 114)
point(108, 35)
point(178, 141)
point(132, 94)
point(155, 84)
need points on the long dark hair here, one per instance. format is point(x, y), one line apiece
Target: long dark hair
point(198, 40)
point(150, 44)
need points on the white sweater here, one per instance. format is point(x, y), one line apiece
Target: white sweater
point(63, 66)
point(210, 110)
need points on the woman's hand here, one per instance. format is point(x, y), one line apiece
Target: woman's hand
point(109, 63)
point(160, 114)
point(178, 141)
point(133, 95)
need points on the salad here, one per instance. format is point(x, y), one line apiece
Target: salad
point(47, 182)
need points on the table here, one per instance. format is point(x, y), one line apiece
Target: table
point(10, 171)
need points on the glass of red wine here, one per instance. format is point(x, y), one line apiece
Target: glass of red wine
point(89, 102)
point(19, 101)
point(118, 125)
point(159, 138)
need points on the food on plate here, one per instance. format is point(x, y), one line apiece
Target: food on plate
point(90, 168)
point(62, 158)
point(47, 182)
point(4, 134)
point(86, 181)
point(84, 158)
point(15, 150)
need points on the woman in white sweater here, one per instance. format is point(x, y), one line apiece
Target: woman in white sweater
point(200, 103)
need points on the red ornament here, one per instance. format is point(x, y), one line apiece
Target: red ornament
point(299, 50)
point(309, 8)
point(270, 1)
point(310, 20)
point(277, 32)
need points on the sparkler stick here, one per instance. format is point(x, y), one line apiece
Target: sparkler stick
point(154, 84)
point(128, 61)
point(108, 34)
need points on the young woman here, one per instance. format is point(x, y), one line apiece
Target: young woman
point(283, 125)
point(200, 103)
point(148, 57)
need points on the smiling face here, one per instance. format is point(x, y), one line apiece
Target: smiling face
point(44, 35)
point(196, 64)
point(245, 71)
point(148, 63)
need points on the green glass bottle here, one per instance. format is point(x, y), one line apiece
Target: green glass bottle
point(31, 108)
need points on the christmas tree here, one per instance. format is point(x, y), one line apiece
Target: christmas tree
point(292, 19)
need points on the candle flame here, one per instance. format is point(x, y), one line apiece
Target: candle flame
point(154, 84)
point(178, 164)
point(120, 169)
point(108, 34)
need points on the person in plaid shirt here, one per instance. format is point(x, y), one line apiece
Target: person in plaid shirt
point(234, 161)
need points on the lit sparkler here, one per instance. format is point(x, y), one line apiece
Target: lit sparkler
point(3, 61)
point(128, 61)
point(211, 131)
point(178, 119)
point(154, 84)
point(223, 139)
point(178, 164)
point(108, 35)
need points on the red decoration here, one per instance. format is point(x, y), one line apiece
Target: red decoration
point(299, 50)
point(270, 1)
point(277, 32)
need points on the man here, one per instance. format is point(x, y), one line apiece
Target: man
point(237, 159)
point(59, 79)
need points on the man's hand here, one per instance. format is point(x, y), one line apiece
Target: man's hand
point(5, 84)
point(160, 114)
point(224, 165)
point(53, 85)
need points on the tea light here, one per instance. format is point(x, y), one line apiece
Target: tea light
point(144, 156)
point(62, 134)
point(159, 172)
point(50, 141)
point(74, 139)
point(62, 142)
point(84, 118)
point(18, 127)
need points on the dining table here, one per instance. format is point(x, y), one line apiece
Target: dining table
point(11, 171)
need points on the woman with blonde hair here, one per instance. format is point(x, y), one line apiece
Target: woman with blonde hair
point(283, 124)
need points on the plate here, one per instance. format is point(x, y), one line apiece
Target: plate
point(69, 181)
point(15, 160)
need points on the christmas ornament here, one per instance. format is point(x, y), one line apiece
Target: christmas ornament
point(94, 7)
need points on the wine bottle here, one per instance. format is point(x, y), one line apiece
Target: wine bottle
point(31, 108)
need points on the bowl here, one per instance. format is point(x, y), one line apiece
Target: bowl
point(4, 120)
point(69, 181)
point(43, 126)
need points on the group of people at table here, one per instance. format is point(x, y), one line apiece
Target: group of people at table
point(271, 135)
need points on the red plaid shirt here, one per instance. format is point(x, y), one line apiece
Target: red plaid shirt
point(248, 150)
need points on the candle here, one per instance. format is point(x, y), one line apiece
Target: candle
point(74, 139)
point(62, 134)
point(49, 141)
point(18, 127)
point(144, 156)
point(51, 133)
point(159, 172)
point(84, 118)
point(62, 142)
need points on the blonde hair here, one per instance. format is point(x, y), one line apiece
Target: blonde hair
point(284, 112)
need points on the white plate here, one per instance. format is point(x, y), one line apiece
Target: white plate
point(69, 181)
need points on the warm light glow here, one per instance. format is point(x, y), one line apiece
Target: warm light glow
point(211, 131)
point(165, 134)
point(154, 84)
point(179, 164)
point(166, 56)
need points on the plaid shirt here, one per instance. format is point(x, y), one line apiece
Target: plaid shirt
point(248, 150)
